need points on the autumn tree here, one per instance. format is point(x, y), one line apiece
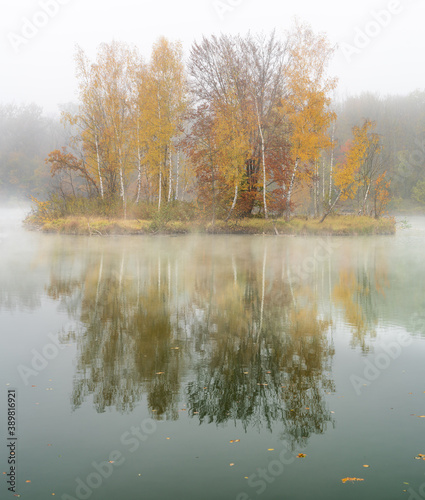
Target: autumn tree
point(306, 104)
point(242, 78)
point(356, 168)
point(164, 101)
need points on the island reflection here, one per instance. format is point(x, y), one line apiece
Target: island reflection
point(222, 334)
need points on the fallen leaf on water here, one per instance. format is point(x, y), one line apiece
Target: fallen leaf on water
point(159, 373)
point(111, 461)
point(421, 416)
point(270, 449)
point(351, 479)
point(365, 465)
point(167, 438)
point(27, 481)
point(232, 464)
point(301, 455)
point(420, 457)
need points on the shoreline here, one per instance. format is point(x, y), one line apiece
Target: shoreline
point(344, 225)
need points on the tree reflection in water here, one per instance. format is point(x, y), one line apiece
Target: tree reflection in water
point(225, 334)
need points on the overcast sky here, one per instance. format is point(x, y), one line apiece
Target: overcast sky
point(381, 43)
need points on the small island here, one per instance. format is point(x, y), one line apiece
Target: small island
point(241, 143)
point(344, 225)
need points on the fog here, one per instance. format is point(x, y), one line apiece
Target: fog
point(380, 42)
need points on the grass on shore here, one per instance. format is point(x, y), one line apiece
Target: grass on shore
point(333, 225)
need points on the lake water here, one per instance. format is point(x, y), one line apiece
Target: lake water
point(204, 367)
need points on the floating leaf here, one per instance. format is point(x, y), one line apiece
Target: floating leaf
point(351, 479)
point(365, 465)
point(301, 455)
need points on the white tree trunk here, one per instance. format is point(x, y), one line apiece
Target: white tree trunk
point(177, 174)
point(365, 199)
point(332, 164)
point(234, 202)
point(291, 187)
point(160, 189)
point(264, 162)
point(98, 167)
point(170, 174)
point(139, 167)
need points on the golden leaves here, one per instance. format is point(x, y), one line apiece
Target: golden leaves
point(351, 479)
point(346, 176)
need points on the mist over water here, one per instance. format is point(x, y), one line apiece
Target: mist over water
point(227, 349)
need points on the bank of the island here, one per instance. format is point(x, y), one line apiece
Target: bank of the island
point(344, 225)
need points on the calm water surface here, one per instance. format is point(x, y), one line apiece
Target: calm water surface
point(202, 367)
